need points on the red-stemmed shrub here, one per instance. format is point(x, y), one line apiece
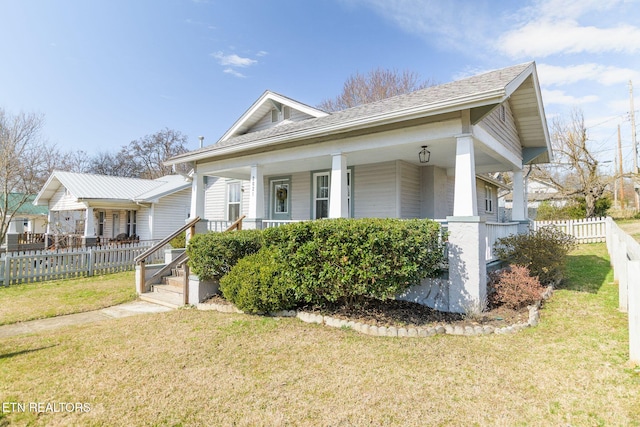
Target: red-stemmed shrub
point(514, 287)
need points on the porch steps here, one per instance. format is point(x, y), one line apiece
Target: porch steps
point(167, 299)
point(170, 293)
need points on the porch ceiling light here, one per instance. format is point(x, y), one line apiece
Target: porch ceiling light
point(424, 155)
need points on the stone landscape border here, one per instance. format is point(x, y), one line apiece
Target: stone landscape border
point(392, 331)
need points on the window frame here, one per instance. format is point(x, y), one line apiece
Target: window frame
point(314, 174)
point(228, 201)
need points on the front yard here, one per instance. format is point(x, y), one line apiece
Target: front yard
point(189, 367)
point(29, 301)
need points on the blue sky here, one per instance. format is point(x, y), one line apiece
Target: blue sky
point(105, 72)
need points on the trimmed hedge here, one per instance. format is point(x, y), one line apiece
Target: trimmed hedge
point(349, 259)
point(212, 255)
point(256, 284)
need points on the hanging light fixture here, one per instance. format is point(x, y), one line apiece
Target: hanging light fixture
point(424, 155)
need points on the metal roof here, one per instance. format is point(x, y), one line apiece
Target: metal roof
point(86, 187)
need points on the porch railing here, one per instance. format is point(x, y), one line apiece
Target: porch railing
point(30, 238)
point(271, 223)
point(495, 231)
point(141, 259)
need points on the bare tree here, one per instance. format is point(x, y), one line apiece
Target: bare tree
point(23, 163)
point(576, 172)
point(378, 84)
point(144, 157)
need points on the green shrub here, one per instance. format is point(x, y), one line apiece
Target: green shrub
point(349, 259)
point(515, 287)
point(256, 284)
point(179, 242)
point(212, 255)
point(543, 252)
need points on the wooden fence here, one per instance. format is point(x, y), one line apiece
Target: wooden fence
point(624, 252)
point(588, 230)
point(35, 266)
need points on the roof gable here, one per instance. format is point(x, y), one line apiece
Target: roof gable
point(260, 111)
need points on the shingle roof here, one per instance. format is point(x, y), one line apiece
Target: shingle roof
point(431, 97)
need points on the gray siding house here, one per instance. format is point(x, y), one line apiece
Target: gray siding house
point(426, 154)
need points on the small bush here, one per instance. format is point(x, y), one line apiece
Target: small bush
point(515, 287)
point(543, 252)
point(256, 284)
point(212, 255)
point(346, 260)
point(179, 242)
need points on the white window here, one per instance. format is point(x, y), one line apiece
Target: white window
point(286, 112)
point(234, 199)
point(321, 195)
point(488, 199)
point(132, 226)
point(101, 221)
point(274, 115)
point(321, 190)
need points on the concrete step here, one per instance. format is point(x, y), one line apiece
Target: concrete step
point(171, 300)
point(168, 289)
point(174, 281)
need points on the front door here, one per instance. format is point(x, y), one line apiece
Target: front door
point(280, 199)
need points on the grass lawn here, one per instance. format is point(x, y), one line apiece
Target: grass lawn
point(29, 301)
point(189, 367)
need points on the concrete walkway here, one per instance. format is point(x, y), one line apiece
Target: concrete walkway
point(115, 312)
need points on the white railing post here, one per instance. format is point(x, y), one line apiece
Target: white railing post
point(633, 293)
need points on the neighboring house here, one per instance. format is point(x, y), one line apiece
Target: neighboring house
point(537, 191)
point(98, 209)
point(419, 155)
point(28, 223)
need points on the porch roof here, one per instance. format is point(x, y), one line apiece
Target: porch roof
point(480, 94)
point(113, 189)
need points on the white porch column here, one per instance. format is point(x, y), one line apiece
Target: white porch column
point(338, 195)
point(13, 226)
point(467, 264)
point(518, 210)
point(465, 202)
point(197, 195)
point(256, 197)
point(89, 238)
point(197, 203)
point(89, 226)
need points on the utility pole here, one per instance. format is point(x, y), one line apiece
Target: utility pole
point(620, 171)
point(635, 145)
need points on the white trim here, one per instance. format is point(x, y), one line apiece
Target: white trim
point(228, 202)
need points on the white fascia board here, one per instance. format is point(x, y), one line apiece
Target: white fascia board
point(269, 96)
point(48, 186)
point(543, 117)
point(448, 106)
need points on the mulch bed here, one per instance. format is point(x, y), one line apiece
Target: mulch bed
point(409, 314)
point(406, 314)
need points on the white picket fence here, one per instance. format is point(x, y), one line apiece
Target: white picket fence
point(624, 252)
point(36, 266)
point(588, 230)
